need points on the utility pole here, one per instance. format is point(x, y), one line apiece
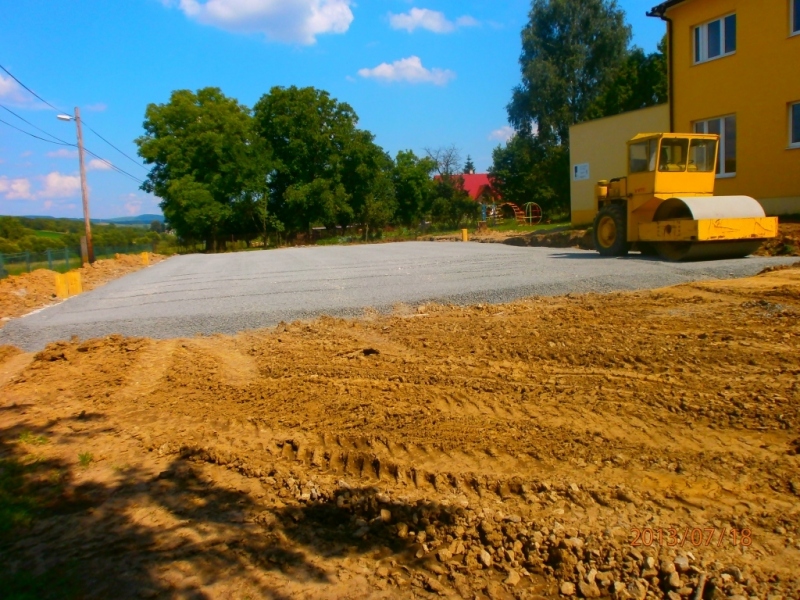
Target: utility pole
point(84, 186)
point(84, 189)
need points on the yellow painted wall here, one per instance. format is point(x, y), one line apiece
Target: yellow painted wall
point(757, 84)
point(602, 145)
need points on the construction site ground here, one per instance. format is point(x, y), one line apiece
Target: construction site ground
point(627, 445)
point(21, 294)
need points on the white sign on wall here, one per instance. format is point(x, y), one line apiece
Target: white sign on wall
point(580, 172)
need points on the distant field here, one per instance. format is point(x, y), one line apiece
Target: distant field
point(49, 234)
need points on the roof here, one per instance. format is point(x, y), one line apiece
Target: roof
point(476, 184)
point(661, 9)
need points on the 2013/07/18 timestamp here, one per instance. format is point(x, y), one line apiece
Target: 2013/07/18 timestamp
point(691, 536)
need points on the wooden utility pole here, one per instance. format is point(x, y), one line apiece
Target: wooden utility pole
point(84, 189)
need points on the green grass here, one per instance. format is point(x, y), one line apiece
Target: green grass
point(85, 459)
point(60, 583)
point(49, 234)
point(26, 437)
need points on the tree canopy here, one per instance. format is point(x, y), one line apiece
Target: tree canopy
point(297, 160)
point(576, 64)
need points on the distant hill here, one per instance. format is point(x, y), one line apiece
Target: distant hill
point(137, 220)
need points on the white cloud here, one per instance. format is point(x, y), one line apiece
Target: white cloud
point(16, 189)
point(133, 207)
point(432, 20)
point(58, 185)
point(48, 204)
point(410, 70)
point(11, 91)
point(503, 134)
point(98, 165)
point(98, 107)
point(63, 153)
point(289, 21)
point(26, 154)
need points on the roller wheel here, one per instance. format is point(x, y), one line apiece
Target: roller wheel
point(611, 231)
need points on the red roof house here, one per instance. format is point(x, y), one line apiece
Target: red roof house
point(478, 186)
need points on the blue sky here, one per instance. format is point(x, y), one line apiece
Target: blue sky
point(419, 73)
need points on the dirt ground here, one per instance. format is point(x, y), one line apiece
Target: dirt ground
point(21, 294)
point(637, 445)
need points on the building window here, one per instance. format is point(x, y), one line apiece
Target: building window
point(715, 39)
point(794, 125)
point(725, 128)
point(795, 17)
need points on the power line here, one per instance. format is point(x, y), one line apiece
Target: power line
point(62, 143)
point(32, 125)
point(36, 136)
point(113, 166)
point(29, 89)
point(134, 161)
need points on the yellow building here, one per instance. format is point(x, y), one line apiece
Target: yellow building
point(735, 71)
point(597, 150)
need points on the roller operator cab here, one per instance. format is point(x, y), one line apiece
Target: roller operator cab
point(666, 204)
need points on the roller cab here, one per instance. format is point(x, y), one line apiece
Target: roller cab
point(666, 204)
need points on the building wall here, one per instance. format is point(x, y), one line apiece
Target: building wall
point(601, 144)
point(757, 84)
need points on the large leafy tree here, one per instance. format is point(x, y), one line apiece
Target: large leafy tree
point(527, 170)
point(571, 50)
point(205, 157)
point(325, 169)
point(413, 186)
point(640, 81)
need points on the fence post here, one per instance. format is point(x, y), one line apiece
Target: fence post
point(28, 260)
point(49, 259)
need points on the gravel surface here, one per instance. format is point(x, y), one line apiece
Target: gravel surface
point(227, 293)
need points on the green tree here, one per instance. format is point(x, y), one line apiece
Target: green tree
point(11, 228)
point(469, 167)
point(157, 226)
point(571, 50)
point(325, 168)
point(413, 186)
point(205, 158)
point(528, 170)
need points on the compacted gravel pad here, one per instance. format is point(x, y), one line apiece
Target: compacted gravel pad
point(228, 293)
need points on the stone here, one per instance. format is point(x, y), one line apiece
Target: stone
point(509, 555)
point(734, 572)
point(513, 578)
point(681, 563)
point(780, 530)
point(421, 537)
point(673, 596)
point(444, 555)
point(402, 530)
point(667, 567)
point(361, 532)
point(674, 581)
point(567, 589)
point(386, 515)
point(589, 590)
point(382, 572)
point(637, 589)
point(485, 558)
point(591, 575)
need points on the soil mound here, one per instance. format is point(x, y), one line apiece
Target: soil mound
point(637, 445)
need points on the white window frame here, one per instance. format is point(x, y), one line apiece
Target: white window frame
point(794, 8)
point(722, 139)
point(792, 107)
point(703, 28)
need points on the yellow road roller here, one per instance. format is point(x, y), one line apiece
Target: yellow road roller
point(666, 204)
